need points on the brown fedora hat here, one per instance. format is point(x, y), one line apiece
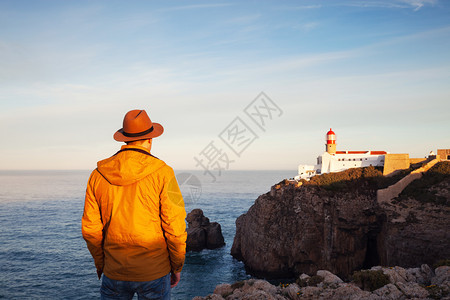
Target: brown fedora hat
point(137, 126)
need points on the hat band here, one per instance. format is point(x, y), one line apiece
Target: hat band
point(138, 134)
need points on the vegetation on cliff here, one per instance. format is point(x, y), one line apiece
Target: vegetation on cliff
point(372, 178)
point(367, 178)
point(420, 189)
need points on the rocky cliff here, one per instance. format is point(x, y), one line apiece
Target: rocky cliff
point(334, 222)
point(378, 283)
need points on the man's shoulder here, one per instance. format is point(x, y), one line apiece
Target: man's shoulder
point(94, 174)
point(165, 169)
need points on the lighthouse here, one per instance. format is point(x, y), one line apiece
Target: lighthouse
point(330, 146)
point(336, 161)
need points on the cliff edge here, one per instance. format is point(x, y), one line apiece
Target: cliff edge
point(334, 222)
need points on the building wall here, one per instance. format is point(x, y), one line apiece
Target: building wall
point(305, 171)
point(394, 162)
point(413, 161)
point(341, 162)
point(444, 154)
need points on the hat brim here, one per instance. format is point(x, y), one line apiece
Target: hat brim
point(157, 131)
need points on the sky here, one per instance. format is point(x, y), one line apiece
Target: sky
point(237, 85)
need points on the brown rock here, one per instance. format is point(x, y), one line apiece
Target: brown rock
point(223, 289)
point(196, 219)
point(196, 239)
point(442, 275)
point(201, 233)
point(333, 288)
point(293, 230)
point(214, 237)
point(416, 232)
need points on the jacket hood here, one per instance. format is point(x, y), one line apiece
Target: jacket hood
point(129, 165)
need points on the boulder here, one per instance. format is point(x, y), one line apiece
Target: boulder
point(412, 290)
point(201, 233)
point(389, 292)
point(196, 219)
point(422, 275)
point(223, 289)
point(328, 277)
point(442, 276)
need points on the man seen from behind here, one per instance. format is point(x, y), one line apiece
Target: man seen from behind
point(134, 217)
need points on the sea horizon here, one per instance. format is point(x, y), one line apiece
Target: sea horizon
point(43, 250)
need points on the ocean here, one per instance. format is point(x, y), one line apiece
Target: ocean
point(42, 252)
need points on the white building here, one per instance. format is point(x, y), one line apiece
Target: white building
point(336, 161)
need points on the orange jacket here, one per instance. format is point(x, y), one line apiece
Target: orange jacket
point(134, 217)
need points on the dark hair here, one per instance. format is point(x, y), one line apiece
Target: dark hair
point(136, 141)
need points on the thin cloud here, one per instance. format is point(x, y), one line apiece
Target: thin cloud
point(418, 4)
point(308, 26)
point(371, 4)
point(306, 7)
point(244, 19)
point(195, 6)
point(398, 4)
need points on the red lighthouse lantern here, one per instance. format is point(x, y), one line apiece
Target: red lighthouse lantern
point(330, 146)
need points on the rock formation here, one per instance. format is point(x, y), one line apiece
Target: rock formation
point(201, 233)
point(413, 283)
point(339, 226)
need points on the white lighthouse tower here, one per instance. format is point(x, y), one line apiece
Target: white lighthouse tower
point(330, 146)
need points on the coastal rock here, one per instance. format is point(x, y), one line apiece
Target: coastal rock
point(295, 229)
point(442, 276)
point(396, 274)
point(292, 230)
point(422, 275)
point(214, 237)
point(292, 291)
point(223, 289)
point(328, 277)
point(412, 290)
point(338, 290)
point(201, 233)
point(416, 228)
point(196, 239)
point(344, 291)
point(304, 276)
point(388, 292)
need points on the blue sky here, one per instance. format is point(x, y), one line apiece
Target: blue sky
point(377, 72)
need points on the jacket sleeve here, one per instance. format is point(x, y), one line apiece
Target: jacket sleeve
point(92, 227)
point(173, 216)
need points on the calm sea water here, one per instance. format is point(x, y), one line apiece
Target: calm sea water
point(42, 253)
